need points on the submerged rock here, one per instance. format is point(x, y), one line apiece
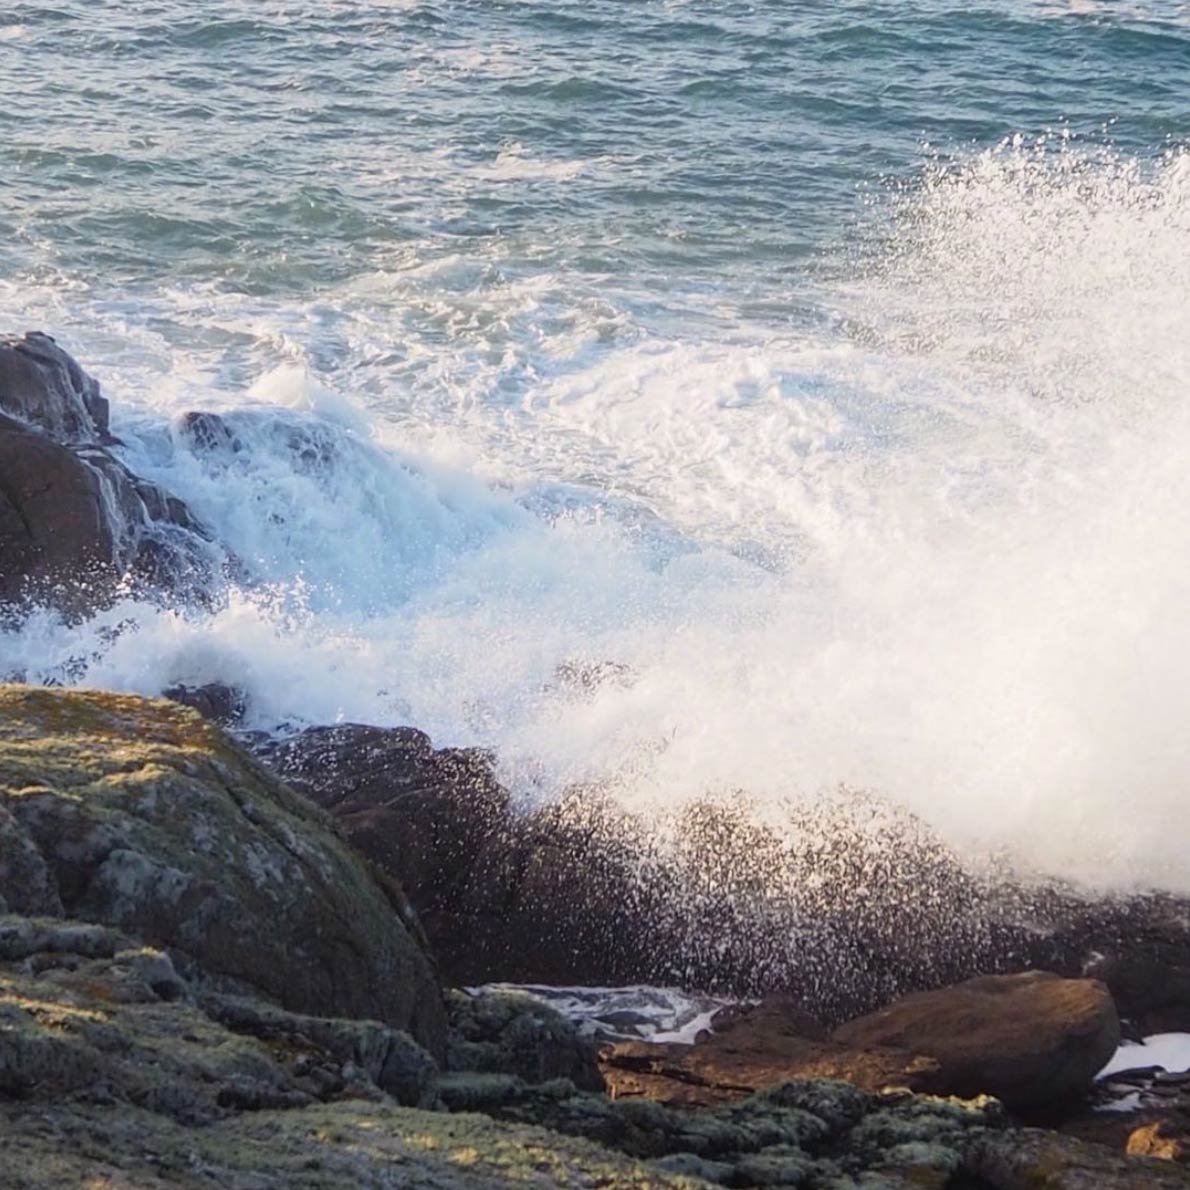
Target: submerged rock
point(1033, 1040)
point(75, 523)
point(138, 815)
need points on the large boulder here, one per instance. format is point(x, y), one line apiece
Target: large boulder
point(75, 523)
point(139, 815)
point(1032, 1040)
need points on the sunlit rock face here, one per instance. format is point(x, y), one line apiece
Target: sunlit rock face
point(138, 815)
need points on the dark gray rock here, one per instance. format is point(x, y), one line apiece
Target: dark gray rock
point(222, 704)
point(42, 386)
point(511, 1033)
point(74, 521)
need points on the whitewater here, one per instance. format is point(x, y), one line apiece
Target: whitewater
point(812, 418)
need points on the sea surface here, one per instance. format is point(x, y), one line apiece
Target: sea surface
point(712, 399)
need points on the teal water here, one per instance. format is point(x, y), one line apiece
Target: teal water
point(821, 365)
point(672, 150)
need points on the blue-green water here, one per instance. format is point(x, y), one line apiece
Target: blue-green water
point(822, 365)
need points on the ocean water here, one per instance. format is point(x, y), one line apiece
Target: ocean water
point(810, 378)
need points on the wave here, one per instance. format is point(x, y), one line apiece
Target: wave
point(931, 549)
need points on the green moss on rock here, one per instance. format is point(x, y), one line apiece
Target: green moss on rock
point(140, 815)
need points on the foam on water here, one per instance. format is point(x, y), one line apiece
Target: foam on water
point(931, 547)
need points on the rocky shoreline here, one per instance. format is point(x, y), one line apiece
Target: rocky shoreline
point(234, 957)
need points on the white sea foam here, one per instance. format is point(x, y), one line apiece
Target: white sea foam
point(1169, 1051)
point(936, 550)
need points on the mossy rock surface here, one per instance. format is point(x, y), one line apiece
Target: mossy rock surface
point(94, 1018)
point(137, 814)
point(341, 1146)
point(501, 1032)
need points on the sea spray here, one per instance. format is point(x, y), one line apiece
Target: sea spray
point(930, 551)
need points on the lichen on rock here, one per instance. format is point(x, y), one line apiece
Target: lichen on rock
point(139, 815)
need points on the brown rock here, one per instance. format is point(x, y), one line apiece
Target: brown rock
point(696, 1075)
point(1168, 1139)
point(769, 1044)
point(1032, 1040)
point(74, 520)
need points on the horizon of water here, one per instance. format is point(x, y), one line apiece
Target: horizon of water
point(815, 374)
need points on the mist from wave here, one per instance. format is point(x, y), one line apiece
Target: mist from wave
point(929, 547)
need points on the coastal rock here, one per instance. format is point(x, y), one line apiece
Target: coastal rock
point(336, 1146)
point(511, 1033)
point(124, 1027)
point(754, 1047)
point(389, 1058)
point(1167, 1139)
point(1032, 1040)
point(579, 892)
point(433, 819)
point(146, 819)
point(801, 1133)
point(75, 523)
point(1139, 946)
point(724, 1070)
point(42, 386)
point(1030, 1159)
point(220, 703)
point(117, 1069)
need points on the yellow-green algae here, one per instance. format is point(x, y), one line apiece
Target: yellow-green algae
point(145, 817)
point(331, 1147)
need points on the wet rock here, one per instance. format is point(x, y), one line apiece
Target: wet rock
point(728, 1068)
point(42, 386)
point(220, 703)
point(1139, 946)
point(207, 432)
point(430, 818)
point(150, 821)
point(1032, 1040)
point(75, 523)
point(507, 1033)
point(581, 892)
